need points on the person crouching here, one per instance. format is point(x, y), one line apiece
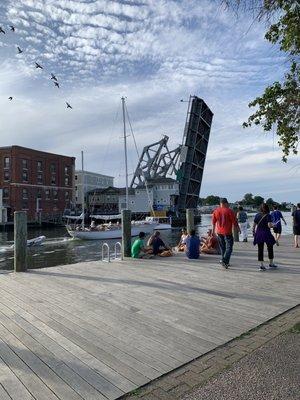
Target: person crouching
point(192, 245)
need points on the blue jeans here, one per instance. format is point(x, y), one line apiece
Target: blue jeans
point(226, 245)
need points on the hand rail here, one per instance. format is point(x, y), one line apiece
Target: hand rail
point(105, 246)
point(118, 245)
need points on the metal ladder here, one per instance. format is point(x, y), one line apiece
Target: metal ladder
point(105, 252)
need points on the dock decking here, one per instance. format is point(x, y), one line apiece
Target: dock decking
point(98, 330)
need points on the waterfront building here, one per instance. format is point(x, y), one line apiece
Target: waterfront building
point(159, 195)
point(92, 181)
point(38, 182)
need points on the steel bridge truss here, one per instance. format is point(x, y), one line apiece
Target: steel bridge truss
point(156, 161)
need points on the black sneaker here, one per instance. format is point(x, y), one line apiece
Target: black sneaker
point(224, 265)
point(262, 268)
point(272, 266)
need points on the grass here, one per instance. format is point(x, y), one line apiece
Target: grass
point(296, 328)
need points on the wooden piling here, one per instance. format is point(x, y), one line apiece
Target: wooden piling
point(126, 233)
point(190, 220)
point(20, 241)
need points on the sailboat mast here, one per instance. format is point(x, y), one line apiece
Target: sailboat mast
point(82, 190)
point(125, 150)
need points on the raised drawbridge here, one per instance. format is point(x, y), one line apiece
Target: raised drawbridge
point(186, 162)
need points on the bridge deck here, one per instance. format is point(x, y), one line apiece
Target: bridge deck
point(97, 330)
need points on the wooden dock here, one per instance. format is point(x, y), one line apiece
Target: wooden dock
point(98, 330)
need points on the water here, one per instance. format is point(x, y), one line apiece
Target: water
point(60, 249)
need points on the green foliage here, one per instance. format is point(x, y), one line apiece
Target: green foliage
point(278, 107)
point(211, 200)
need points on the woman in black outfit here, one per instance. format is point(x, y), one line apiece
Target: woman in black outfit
point(262, 234)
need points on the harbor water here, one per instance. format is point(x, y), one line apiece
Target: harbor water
point(59, 248)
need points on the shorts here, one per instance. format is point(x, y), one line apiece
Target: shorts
point(296, 230)
point(277, 229)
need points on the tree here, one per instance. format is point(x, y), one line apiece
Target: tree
point(248, 199)
point(258, 200)
point(211, 200)
point(270, 201)
point(278, 107)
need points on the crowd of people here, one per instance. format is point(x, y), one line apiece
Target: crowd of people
point(267, 230)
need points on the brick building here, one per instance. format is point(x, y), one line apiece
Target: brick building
point(40, 183)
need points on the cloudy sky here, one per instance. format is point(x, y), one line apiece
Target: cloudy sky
point(154, 52)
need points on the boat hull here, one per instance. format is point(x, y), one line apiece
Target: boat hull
point(110, 234)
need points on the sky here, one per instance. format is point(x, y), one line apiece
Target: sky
point(155, 53)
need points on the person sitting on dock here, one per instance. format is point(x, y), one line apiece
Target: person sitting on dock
point(182, 242)
point(158, 245)
point(138, 248)
point(192, 245)
point(210, 244)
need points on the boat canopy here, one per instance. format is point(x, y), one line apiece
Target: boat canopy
point(74, 217)
point(106, 217)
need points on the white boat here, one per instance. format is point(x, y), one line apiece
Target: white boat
point(109, 232)
point(159, 226)
point(34, 242)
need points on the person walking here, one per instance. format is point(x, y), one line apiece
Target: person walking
point(276, 217)
point(296, 225)
point(242, 218)
point(192, 245)
point(262, 235)
point(223, 220)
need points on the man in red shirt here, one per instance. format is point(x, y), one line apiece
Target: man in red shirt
point(223, 220)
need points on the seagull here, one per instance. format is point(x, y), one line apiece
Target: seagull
point(53, 77)
point(1, 30)
point(56, 84)
point(68, 105)
point(10, 98)
point(19, 50)
point(38, 66)
point(12, 28)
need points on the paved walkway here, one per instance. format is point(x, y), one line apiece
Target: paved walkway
point(97, 330)
point(270, 372)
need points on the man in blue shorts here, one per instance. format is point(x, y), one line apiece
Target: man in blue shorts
point(277, 216)
point(192, 246)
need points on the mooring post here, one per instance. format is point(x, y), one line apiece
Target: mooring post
point(126, 233)
point(20, 241)
point(190, 219)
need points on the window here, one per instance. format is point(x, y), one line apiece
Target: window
point(66, 169)
point(39, 194)
point(55, 194)
point(6, 176)
point(67, 194)
point(5, 193)
point(47, 194)
point(40, 179)
point(39, 166)
point(76, 177)
point(25, 176)
point(53, 168)
point(6, 162)
point(24, 194)
point(25, 164)
point(24, 205)
point(53, 180)
point(66, 181)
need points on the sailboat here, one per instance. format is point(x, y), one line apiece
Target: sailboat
point(109, 230)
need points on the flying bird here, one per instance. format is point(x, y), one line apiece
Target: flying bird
point(10, 98)
point(68, 105)
point(37, 65)
point(53, 77)
point(1, 30)
point(56, 84)
point(19, 50)
point(12, 28)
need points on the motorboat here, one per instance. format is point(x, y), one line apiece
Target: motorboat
point(161, 223)
point(37, 241)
